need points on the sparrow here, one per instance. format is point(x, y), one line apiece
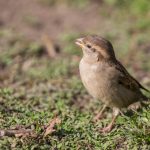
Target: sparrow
point(105, 78)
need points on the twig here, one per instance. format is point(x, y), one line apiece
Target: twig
point(17, 133)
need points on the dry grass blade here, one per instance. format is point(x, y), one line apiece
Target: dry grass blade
point(50, 128)
point(51, 48)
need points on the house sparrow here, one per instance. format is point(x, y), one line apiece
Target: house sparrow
point(105, 78)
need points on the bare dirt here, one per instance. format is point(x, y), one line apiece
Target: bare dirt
point(32, 18)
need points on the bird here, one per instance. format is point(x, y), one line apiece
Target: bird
point(106, 79)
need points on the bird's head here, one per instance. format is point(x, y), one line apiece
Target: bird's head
point(96, 47)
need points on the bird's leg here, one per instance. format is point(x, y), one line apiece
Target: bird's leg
point(99, 115)
point(116, 112)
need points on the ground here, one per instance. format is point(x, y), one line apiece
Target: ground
point(40, 87)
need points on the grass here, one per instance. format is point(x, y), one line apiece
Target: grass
point(34, 88)
point(76, 129)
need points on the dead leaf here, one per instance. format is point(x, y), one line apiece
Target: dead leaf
point(50, 128)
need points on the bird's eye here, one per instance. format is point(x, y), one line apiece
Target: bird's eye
point(89, 46)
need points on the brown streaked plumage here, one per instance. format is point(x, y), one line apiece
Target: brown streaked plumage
point(105, 78)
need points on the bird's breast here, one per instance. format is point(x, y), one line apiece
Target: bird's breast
point(95, 78)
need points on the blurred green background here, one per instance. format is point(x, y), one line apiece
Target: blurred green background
point(39, 77)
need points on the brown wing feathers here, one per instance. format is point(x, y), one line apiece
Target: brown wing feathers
point(128, 80)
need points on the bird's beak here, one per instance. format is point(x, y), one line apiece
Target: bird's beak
point(79, 42)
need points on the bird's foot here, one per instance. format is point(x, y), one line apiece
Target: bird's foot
point(106, 129)
point(97, 117)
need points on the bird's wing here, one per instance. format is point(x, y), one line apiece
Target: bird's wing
point(127, 80)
